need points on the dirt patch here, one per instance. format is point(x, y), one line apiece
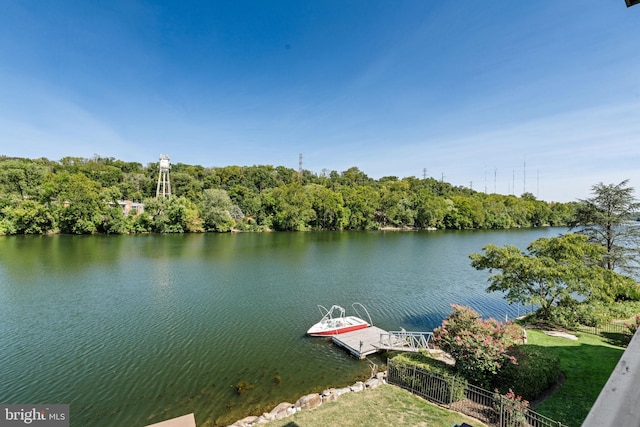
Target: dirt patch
point(476, 410)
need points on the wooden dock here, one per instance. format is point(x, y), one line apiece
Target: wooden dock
point(360, 343)
point(364, 342)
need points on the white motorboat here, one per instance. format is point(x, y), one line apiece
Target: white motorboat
point(334, 321)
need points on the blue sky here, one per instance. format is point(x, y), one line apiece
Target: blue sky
point(507, 96)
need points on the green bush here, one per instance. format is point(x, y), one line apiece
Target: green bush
point(594, 314)
point(424, 361)
point(625, 310)
point(561, 316)
point(536, 370)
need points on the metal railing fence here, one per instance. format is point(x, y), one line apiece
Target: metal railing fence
point(407, 341)
point(456, 394)
point(610, 328)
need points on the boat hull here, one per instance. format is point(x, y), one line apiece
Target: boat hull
point(327, 327)
point(337, 331)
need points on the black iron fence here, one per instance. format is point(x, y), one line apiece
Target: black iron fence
point(607, 328)
point(456, 394)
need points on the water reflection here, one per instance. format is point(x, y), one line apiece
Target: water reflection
point(135, 329)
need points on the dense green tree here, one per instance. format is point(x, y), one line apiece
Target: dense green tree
point(328, 206)
point(289, 207)
point(262, 177)
point(136, 186)
point(78, 200)
point(496, 213)
point(539, 212)
point(6, 225)
point(284, 175)
point(553, 269)
point(262, 196)
point(111, 195)
point(561, 213)
point(517, 209)
point(613, 287)
point(142, 223)
point(185, 185)
point(21, 177)
point(229, 176)
point(605, 219)
point(128, 167)
point(172, 215)
point(360, 203)
point(430, 210)
point(354, 177)
point(30, 217)
point(467, 212)
point(104, 174)
point(245, 198)
point(216, 210)
point(113, 221)
point(396, 207)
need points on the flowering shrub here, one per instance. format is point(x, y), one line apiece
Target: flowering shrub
point(478, 346)
point(511, 409)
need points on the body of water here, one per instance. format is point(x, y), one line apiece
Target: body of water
point(132, 330)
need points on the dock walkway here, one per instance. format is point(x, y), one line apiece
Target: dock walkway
point(364, 342)
point(360, 343)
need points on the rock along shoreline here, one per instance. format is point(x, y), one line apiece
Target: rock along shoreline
point(310, 401)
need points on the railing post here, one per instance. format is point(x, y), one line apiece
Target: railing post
point(453, 384)
point(413, 378)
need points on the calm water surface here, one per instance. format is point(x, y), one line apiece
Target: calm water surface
point(132, 330)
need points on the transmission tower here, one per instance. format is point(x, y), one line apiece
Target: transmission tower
point(524, 176)
point(164, 184)
point(300, 166)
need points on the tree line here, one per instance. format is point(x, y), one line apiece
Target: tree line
point(79, 196)
point(586, 277)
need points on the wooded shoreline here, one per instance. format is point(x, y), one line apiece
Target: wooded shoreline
point(86, 196)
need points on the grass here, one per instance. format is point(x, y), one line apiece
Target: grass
point(386, 405)
point(586, 364)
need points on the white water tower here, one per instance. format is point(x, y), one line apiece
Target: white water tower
point(164, 184)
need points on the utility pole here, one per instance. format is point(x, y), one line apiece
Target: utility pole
point(300, 166)
point(495, 178)
point(485, 179)
point(524, 176)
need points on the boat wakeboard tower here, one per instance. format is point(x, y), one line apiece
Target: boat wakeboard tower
point(335, 321)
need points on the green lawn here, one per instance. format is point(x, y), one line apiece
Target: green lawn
point(386, 405)
point(587, 364)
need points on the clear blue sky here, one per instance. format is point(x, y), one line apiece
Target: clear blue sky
point(472, 91)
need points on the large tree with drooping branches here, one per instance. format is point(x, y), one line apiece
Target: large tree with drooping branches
point(607, 219)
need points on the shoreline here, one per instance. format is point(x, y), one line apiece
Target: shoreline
point(310, 401)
